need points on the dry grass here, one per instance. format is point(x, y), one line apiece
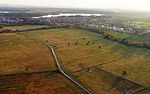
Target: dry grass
point(112, 57)
point(17, 53)
point(24, 27)
point(95, 80)
point(37, 83)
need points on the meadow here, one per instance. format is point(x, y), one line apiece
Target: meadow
point(80, 51)
point(143, 23)
point(19, 54)
point(24, 27)
point(131, 36)
point(28, 67)
point(47, 82)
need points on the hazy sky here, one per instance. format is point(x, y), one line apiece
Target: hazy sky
point(105, 4)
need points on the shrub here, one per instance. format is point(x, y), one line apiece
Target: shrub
point(1, 26)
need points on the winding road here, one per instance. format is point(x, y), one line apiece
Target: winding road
point(65, 74)
point(85, 89)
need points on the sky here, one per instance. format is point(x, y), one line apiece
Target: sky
point(101, 4)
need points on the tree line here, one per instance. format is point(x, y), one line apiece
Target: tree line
point(41, 28)
point(125, 41)
point(119, 40)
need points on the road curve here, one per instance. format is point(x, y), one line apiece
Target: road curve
point(65, 74)
point(59, 66)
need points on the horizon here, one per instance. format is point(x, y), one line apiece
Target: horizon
point(141, 5)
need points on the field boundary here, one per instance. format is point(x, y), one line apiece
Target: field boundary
point(105, 71)
point(59, 67)
point(130, 43)
point(122, 84)
point(26, 73)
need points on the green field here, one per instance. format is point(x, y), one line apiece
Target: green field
point(131, 36)
point(79, 49)
point(143, 23)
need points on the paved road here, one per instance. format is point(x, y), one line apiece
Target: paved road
point(59, 66)
point(65, 74)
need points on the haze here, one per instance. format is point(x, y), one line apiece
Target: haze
point(102, 4)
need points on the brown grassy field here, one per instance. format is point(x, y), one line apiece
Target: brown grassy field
point(30, 67)
point(24, 27)
point(79, 49)
point(17, 53)
point(37, 83)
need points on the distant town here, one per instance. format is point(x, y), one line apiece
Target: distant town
point(89, 20)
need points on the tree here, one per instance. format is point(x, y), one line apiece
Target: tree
point(124, 72)
point(76, 43)
point(27, 69)
point(87, 44)
point(1, 27)
point(99, 46)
